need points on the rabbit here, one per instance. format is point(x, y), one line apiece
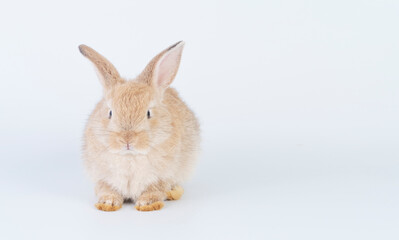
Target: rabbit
point(141, 141)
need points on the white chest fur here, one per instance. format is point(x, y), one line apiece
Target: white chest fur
point(127, 174)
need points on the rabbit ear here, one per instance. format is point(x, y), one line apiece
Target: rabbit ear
point(162, 69)
point(107, 73)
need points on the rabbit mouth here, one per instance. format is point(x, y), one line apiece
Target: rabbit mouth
point(124, 151)
point(132, 151)
point(128, 152)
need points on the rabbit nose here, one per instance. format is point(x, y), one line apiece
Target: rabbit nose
point(127, 139)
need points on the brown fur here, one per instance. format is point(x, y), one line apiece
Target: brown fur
point(151, 207)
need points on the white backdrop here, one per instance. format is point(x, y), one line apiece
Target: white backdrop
point(298, 102)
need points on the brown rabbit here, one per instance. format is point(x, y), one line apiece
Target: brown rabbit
point(141, 141)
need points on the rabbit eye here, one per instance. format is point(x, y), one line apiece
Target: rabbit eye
point(148, 114)
point(110, 114)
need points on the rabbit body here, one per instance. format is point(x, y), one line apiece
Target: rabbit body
point(131, 174)
point(141, 141)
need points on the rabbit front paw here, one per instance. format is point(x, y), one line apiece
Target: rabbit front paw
point(109, 203)
point(149, 202)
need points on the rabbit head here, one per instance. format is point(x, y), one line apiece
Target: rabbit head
point(132, 117)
